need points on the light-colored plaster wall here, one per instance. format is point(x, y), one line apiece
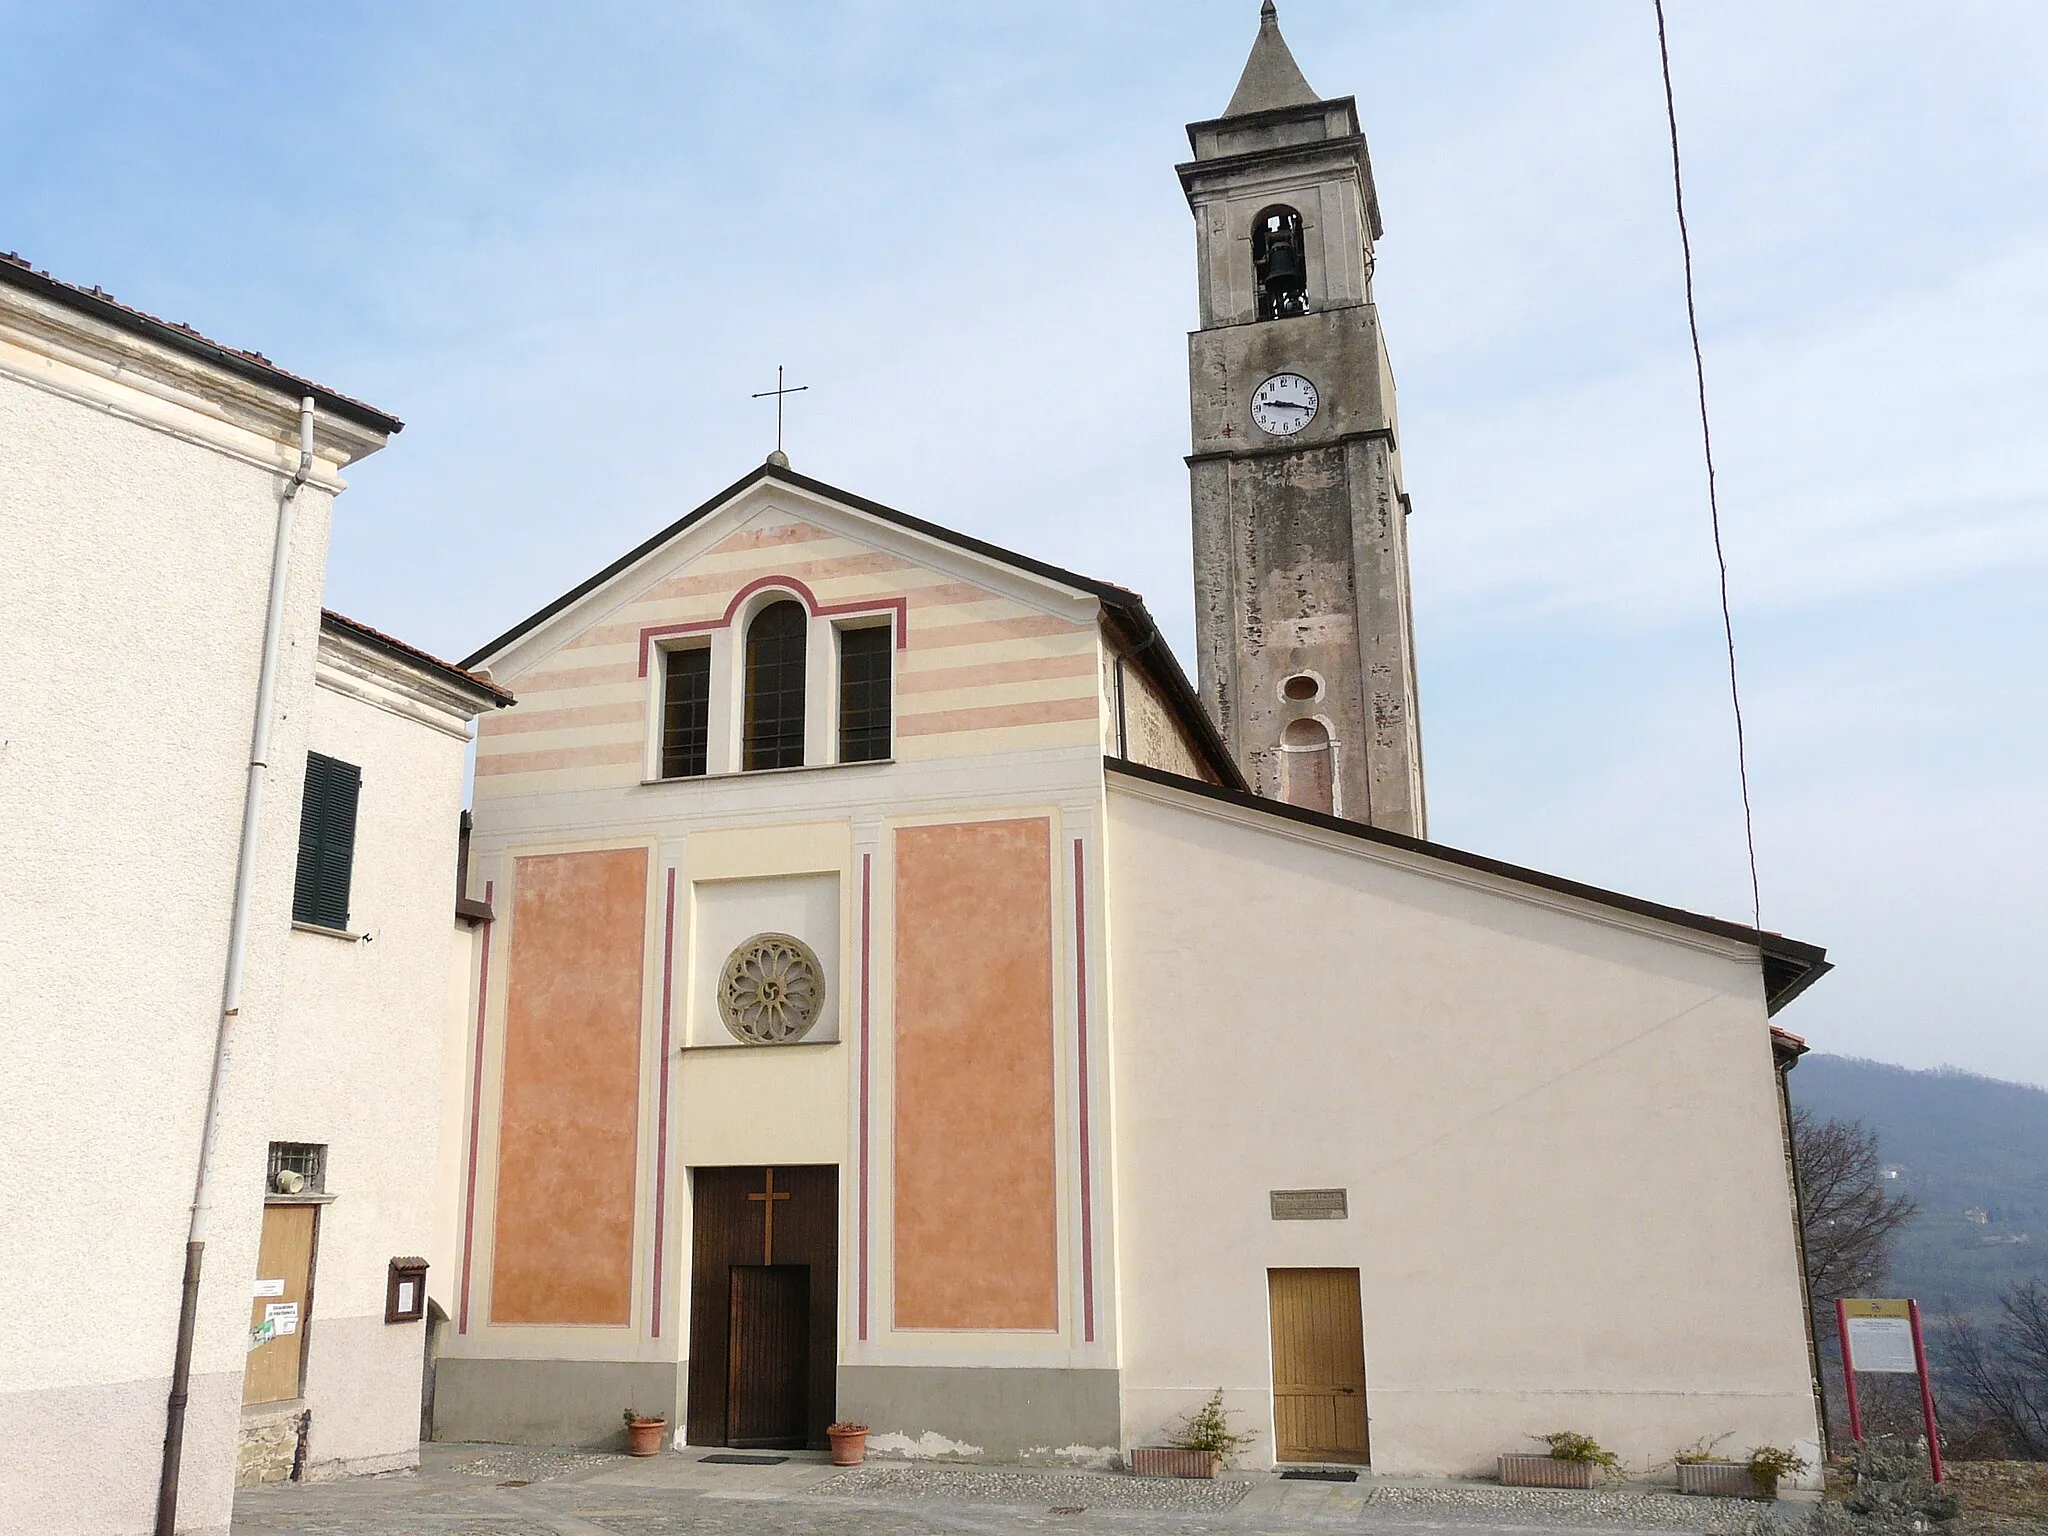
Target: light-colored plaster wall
point(139, 511)
point(358, 1068)
point(1558, 1127)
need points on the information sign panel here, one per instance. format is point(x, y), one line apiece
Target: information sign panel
point(1881, 1336)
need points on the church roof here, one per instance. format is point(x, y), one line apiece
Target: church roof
point(1271, 78)
point(1145, 646)
point(1790, 966)
point(16, 272)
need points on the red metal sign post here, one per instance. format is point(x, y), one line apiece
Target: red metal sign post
point(1926, 1392)
point(1848, 1371)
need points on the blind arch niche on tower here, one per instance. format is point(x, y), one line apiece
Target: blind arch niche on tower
point(773, 714)
point(1308, 766)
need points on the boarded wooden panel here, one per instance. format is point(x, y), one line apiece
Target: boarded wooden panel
point(726, 1231)
point(768, 1358)
point(976, 1242)
point(570, 1124)
point(1318, 1365)
point(284, 1252)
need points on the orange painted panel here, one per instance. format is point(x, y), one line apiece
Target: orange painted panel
point(976, 1242)
point(570, 1119)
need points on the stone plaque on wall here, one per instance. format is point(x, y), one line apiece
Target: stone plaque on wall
point(1310, 1204)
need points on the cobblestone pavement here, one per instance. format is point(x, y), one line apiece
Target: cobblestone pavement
point(516, 1491)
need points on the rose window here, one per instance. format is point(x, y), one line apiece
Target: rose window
point(771, 990)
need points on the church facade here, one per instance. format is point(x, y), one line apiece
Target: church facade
point(910, 1001)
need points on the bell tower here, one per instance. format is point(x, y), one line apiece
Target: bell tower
point(1303, 627)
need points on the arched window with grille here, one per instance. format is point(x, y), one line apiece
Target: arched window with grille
point(774, 715)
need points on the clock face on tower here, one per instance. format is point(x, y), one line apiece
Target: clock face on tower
point(1284, 404)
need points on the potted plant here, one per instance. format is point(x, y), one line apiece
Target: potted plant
point(1573, 1461)
point(1702, 1469)
point(849, 1443)
point(1197, 1448)
point(1768, 1464)
point(644, 1434)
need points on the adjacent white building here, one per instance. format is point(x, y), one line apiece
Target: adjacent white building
point(139, 512)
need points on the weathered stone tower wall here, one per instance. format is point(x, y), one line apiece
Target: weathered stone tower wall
point(1303, 625)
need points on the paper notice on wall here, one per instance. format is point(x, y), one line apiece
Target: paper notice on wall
point(1882, 1344)
point(269, 1287)
point(283, 1316)
point(262, 1334)
point(407, 1292)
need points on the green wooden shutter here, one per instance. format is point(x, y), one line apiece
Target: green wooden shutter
point(327, 842)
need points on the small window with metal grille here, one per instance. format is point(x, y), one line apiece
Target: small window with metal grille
point(686, 713)
point(774, 726)
point(297, 1168)
point(864, 694)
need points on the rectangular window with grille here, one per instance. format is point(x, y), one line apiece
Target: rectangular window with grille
point(327, 842)
point(686, 713)
point(864, 656)
point(305, 1159)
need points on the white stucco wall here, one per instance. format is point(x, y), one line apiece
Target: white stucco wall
point(137, 511)
point(1558, 1126)
point(357, 1065)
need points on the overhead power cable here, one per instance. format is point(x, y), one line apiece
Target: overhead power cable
point(1699, 368)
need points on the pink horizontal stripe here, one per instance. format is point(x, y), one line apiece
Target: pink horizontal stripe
point(1026, 669)
point(575, 677)
point(998, 717)
point(982, 631)
point(512, 722)
point(769, 538)
point(866, 563)
point(610, 756)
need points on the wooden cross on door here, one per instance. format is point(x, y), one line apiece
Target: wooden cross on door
point(768, 1196)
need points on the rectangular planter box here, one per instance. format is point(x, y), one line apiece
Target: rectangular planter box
point(1725, 1479)
point(1546, 1472)
point(1170, 1461)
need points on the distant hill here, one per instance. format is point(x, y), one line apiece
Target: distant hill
point(1972, 1150)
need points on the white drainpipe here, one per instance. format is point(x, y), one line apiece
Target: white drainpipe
point(231, 988)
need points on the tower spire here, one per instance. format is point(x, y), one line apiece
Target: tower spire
point(1271, 78)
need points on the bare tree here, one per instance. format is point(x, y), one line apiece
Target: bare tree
point(2005, 1378)
point(1851, 1223)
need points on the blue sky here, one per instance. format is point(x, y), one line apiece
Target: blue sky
point(565, 244)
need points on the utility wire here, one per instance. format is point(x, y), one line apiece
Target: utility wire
point(1699, 368)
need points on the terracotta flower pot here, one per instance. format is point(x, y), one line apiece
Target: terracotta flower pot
point(1726, 1479)
point(644, 1436)
point(1545, 1472)
point(849, 1444)
point(1172, 1461)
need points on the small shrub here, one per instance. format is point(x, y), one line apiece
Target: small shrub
point(1702, 1449)
point(1769, 1463)
point(1208, 1429)
point(1569, 1445)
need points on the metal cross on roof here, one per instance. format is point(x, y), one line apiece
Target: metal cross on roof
point(778, 457)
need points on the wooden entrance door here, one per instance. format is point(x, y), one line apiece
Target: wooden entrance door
point(764, 1305)
point(284, 1295)
point(1318, 1365)
point(768, 1355)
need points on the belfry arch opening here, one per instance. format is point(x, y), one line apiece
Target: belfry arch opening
point(1281, 261)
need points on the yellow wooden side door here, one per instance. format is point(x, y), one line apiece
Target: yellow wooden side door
point(277, 1312)
point(1318, 1365)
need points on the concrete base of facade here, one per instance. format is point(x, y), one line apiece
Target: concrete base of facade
point(83, 1461)
point(963, 1413)
point(550, 1402)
